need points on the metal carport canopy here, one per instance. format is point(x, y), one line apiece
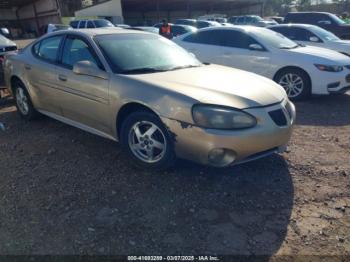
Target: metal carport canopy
point(175, 5)
point(7, 4)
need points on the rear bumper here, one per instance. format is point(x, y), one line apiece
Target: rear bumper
point(196, 144)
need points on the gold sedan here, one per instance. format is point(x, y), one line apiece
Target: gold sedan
point(148, 93)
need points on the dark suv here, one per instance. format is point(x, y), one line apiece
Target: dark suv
point(327, 21)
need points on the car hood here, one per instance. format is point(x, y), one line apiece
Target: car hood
point(6, 42)
point(342, 42)
point(322, 54)
point(220, 85)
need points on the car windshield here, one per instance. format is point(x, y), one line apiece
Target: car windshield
point(103, 23)
point(143, 53)
point(324, 34)
point(213, 23)
point(257, 18)
point(336, 19)
point(276, 40)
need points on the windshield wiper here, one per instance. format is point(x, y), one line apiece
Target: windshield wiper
point(148, 70)
point(182, 67)
point(143, 70)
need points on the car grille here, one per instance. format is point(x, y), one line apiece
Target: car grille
point(10, 48)
point(279, 117)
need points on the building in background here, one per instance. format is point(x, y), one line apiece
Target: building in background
point(24, 18)
point(149, 12)
point(152, 11)
point(111, 10)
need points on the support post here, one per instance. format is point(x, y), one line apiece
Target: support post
point(36, 19)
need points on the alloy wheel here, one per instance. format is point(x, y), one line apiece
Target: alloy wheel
point(147, 142)
point(293, 84)
point(22, 101)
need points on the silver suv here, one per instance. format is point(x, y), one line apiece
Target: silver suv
point(90, 23)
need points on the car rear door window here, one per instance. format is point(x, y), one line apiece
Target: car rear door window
point(90, 24)
point(74, 24)
point(75, 50)
point(211, 37)
point(249, 19)
point(240, 20)
point(202, 24)
point(82, 24)
point(177, 30)
point(48, 48)
point(282, 30)
point(237, 39)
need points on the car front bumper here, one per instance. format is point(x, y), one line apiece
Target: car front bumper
point(198, 144)
point(331, 83)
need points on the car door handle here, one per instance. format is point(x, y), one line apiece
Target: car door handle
point(62, 78)
point(27, 67)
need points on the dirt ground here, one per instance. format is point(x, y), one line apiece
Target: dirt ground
point(64, 191)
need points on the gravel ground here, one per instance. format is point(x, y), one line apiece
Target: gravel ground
point(64, 191)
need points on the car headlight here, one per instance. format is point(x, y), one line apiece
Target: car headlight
point(329, 68)
point(219, 117)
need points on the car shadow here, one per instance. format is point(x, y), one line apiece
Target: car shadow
point(333, 109)
point(86, 198)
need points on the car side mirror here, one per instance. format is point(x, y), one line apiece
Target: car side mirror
point(325, 22)
point(4, 31)
point(256, 47)
point(314, 39)
point(89, 69)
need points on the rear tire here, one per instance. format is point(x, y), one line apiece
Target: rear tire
point(296, 82)
point(23, 101)
point(147, 141)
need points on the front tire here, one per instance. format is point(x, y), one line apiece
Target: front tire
point(147, 141)
point(24, 104)
point(296, 82)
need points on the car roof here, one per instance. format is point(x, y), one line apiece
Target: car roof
point(99, 31)
point(185, 19)
point(308, 12)
point(293, 25)
point(245, 28)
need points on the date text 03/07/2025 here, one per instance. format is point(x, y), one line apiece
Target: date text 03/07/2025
point(173, 258)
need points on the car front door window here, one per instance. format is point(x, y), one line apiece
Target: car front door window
point(210, 37)
point(76, 50)
point(238, 39)
point(48, 48)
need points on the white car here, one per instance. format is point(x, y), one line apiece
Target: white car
point(49, 28)
point(300, 70)
point(6, 45)
point(314, 36)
